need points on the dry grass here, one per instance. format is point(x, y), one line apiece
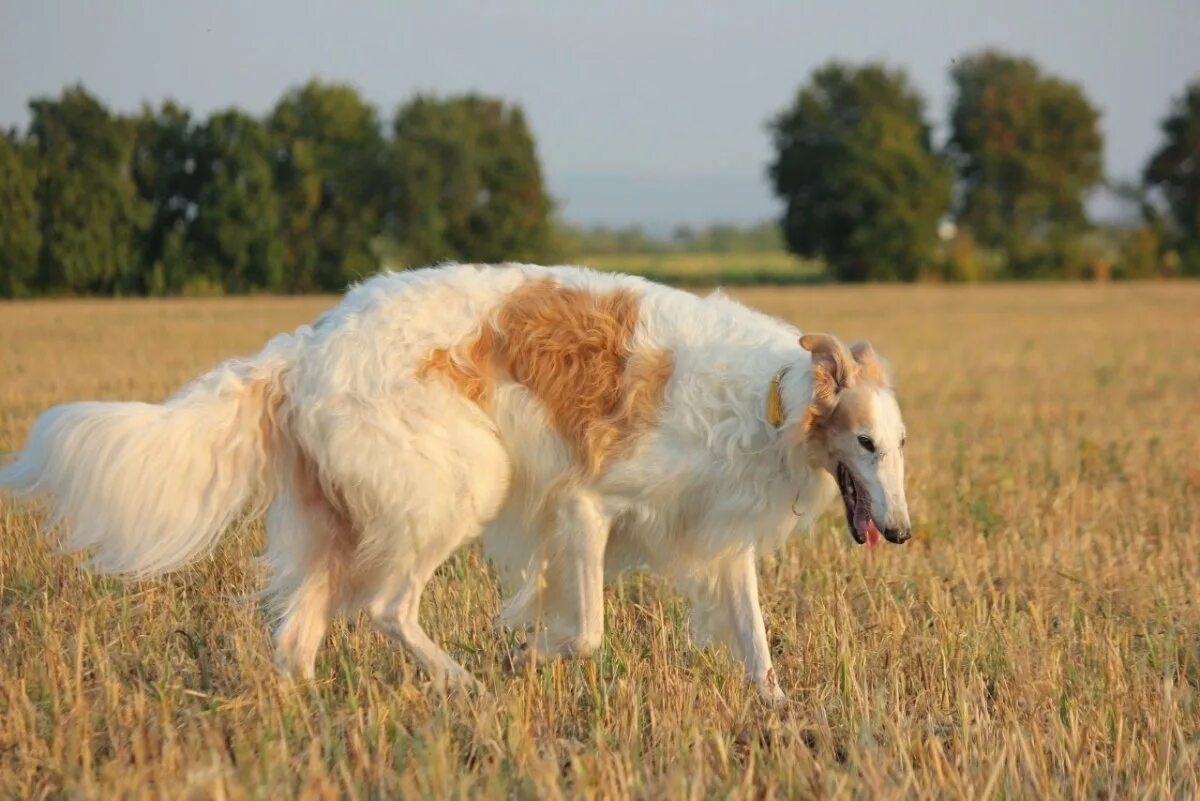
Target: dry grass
point(1039, 637)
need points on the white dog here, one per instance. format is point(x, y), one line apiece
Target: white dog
point(583, 423)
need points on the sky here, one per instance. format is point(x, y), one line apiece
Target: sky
point(650, 113)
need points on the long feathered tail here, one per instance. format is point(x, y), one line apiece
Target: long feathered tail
point(149, 487)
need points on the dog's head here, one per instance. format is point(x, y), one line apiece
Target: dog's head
point(853, 423)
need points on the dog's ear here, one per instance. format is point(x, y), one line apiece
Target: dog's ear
point(833, 370)
point(831, 357)
point(871, 365)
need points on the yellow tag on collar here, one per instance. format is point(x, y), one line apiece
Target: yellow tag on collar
point(775, 399)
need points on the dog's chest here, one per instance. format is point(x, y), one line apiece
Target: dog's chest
point(699, 513)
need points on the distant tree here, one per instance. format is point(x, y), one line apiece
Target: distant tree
point(90, 212)
point(855, 168)
point(725, 238)
point(1028, 148)
point(763, 237)
point(603, 240)
point(161, 203)
point(1174, 171)
point(234, 239)
point(683, 235)
point(466, 183)
point(330, 160)
point(20, 237)
point(165, 162)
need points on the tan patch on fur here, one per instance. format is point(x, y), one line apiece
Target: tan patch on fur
point(853, 412)
point(833, 369)
point(871, 367)
point(825, 392)
point(645, 386)
point(473, 374)
point(267, 395)
point(573, 350)
point(336, 548)
point(836, 371)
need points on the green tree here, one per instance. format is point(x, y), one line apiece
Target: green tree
point(90, 211)
point(20, 237)
point(234, 239)
point(855, 168)
point(1174, 171)
point(165, 172)
point(1028, 149)
point(330, 160)
point(466, 183)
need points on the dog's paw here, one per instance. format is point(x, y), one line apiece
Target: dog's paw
point(771, 695)
point(518, 659)
point(460, 683)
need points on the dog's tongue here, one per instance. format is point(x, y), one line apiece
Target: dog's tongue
point(862, 520)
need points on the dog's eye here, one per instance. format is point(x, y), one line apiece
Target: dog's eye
point(903, 440)
point(866, 442)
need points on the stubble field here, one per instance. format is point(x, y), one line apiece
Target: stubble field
point(1038, 637)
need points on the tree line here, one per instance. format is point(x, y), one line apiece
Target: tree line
point(309, 198)
point(603, 240)
point(865, 188)
point(319, 192)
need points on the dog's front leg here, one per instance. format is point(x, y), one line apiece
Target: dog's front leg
point(572, 599)
point(727, 610)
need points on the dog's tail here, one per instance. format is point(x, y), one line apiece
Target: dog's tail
point(149, 487)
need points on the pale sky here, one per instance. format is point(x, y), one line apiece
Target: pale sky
point(647, 112)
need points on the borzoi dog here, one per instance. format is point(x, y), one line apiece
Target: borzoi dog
point(582, 423)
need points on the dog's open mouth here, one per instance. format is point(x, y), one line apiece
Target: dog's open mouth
point(858, 508)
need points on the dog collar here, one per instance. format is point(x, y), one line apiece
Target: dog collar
point(775, 413)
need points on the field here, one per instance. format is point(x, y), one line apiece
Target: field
point(1039, 637)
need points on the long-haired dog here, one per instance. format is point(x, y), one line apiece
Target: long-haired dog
point(582, 423)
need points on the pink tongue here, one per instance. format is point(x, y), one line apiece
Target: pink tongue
point(872, 534)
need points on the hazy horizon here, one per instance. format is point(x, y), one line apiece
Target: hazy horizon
point(650, 115)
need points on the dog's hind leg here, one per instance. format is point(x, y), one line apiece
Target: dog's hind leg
point(309, 548)
point(395, 606)
point(302, 628)
point(452, 483)
point(572, 600)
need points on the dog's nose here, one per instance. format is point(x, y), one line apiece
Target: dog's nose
point(897, 535)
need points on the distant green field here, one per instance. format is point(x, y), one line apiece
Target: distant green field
point(775, 267)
